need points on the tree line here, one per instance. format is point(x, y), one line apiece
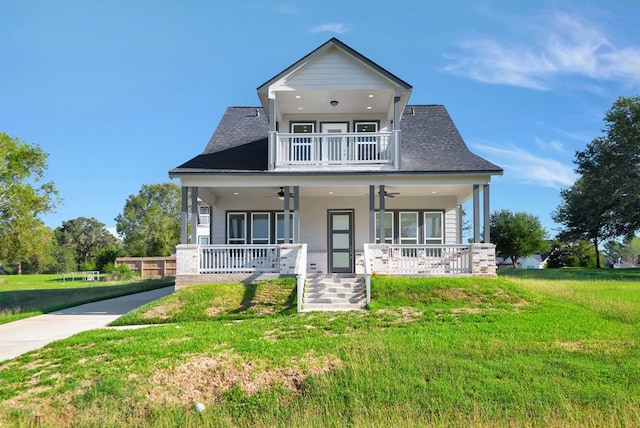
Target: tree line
point(148, 226)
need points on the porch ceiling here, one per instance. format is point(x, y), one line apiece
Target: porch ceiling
point(460, 192)
point(349, 102)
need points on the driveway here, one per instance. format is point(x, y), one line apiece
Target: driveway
point(20, 337)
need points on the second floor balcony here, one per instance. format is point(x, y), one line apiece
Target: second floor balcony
point(370, 150)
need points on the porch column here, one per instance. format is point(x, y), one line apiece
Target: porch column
point(397, 115)
point(272, 133)
point(194, 215)
point(372, 214)
point(486, 214)
point(183, 215)
point(476, 213)
point(296, 214)
point(287, 213)
point(381, 215)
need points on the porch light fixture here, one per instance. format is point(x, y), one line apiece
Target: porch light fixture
point(334, 103)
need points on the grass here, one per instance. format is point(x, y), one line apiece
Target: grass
point(22, 296)
point(431, 352)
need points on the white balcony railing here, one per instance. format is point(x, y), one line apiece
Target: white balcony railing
point(419, 259)
point(239, 259)
point(346, 149)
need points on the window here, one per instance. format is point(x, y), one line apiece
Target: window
point(260, 228)
point(203, 240)
point(408, 228)
point(388, 227)
point(204, 216)
point(302, 147)
point(280, 228)
point(237, 228)
point(367, 146)
point(433, 228)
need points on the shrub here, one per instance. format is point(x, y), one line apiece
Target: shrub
point(122, 273)
point(106, 256)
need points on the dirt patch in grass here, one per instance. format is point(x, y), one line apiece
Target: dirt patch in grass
point(458, 294)
point(163, 312)
point(205, 379)
point(595, 346)
point(402, 314)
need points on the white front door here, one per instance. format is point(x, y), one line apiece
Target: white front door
point(334, 148)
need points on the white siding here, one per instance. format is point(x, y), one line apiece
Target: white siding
point(334, 70)
point(313, 215)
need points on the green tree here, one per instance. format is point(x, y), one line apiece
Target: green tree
point(85, 237)
point(586, 213)
point(516, 234)
point(150, 222)
point(605, 200)
point(23, 197)
point(571, 254)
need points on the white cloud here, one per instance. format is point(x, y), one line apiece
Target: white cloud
point(330, 28)
point(528, 167)
point(562, 45)
point(285, 9)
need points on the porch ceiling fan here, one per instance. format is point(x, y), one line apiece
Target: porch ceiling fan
point(280, 194)
point(387, 194)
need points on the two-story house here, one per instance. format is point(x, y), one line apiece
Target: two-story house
point(334, 172)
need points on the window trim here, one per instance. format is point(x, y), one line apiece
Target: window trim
point(276, 239)
point(228, 239)
point(424, 222)
point(268, 238)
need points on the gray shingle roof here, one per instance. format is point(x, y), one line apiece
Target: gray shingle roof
point(431, 143)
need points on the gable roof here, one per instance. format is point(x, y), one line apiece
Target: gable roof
point(334, 42)
point(431, 143)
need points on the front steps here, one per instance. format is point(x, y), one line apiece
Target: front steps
point(334, 292)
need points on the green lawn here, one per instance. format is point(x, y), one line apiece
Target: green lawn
point(22, 296)
point(509, 351)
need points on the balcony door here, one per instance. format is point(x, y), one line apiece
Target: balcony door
point(334, 148)
point(302, 148)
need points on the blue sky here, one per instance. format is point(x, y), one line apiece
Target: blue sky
point(119, 92)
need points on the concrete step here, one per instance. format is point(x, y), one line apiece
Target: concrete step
point(310, 307)
point(337, 292)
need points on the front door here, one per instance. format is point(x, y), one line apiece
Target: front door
point(341, 241)
point(334, 148)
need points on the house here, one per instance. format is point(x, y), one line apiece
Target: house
point(533, 261)
point(299, 184)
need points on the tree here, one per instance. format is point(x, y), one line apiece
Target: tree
point(571, 254)
point(605, 200)
point(150, 222)
point(85, 237)
point(516, 234)
point(586, 213)
point(23, 197)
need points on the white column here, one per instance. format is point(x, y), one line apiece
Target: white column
point(381, 214)
point(372, 214)
point(184, 228)
point(486, 213)
point(476, 213)
point(296, 214)
point(287, 213)
point(194, 215)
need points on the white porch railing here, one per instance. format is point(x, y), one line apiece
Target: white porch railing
point(418, 259)
point(239, 259)
point(346, 149)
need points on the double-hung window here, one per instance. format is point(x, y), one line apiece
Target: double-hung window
point(388, 228)
point(204, 216)
point(433, 228)
point(280, 228)
point(237, 228)
point(260, 228)
point(367, 145)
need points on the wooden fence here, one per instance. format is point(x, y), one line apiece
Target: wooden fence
point(150, 267)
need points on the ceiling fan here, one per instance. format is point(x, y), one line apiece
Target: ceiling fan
point(387, 194)
point(281, 194)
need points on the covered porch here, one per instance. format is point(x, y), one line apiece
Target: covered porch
point(339, 219)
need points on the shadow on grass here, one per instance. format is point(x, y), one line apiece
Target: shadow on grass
point(574, 274)
point(49, 300)
point(276, 306)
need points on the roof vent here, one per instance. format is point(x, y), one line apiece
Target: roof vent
point(257, 112)
point(413, 111)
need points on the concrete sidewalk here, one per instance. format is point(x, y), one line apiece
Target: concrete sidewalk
point(19, 337)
